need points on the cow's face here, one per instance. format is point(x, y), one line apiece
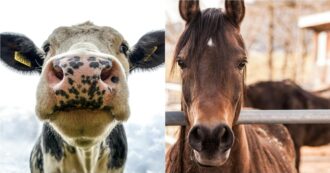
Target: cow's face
point(83, 89)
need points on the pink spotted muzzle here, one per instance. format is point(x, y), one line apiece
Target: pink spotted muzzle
point(83, 81)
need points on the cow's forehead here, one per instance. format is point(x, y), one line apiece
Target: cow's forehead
point(85, 30)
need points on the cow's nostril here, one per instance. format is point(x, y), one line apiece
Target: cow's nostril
point(58, 72)
point(105, 74)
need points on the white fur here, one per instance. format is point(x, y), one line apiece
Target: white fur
point(210, 43)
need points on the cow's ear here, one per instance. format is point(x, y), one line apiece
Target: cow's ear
point(148, 52)
point(20, 53)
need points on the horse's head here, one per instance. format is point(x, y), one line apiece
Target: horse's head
point(212, 58)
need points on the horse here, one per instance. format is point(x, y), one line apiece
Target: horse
point(212, 57)
point(287, 94)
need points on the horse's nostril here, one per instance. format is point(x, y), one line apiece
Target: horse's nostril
point(105, 74)
point(58, 72)
point(222, 132)
point(196, 136)
point(226, 138)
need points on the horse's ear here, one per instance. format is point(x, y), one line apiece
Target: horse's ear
point(189, 9)
point(20, 53)
point(235, 10)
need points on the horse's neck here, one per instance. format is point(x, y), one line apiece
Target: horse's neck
point(238, 161)
point(240, 153)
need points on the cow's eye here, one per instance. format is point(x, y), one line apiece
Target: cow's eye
point(124, 48)
point(46, 47)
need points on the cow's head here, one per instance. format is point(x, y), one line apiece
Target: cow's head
point(83, 89)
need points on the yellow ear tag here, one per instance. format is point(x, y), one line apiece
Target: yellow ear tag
point(147, 58)
point(21, 59)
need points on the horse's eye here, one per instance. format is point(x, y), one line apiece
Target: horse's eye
point(46, 47)
point(241, 65)
point(123, 48)
point(181, 63)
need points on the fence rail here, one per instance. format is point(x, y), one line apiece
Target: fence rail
point(310, 116)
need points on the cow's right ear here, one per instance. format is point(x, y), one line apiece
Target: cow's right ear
point(20, 53)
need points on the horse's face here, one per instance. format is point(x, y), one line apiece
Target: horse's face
point(212, 57)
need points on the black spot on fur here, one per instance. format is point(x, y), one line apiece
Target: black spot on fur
point(105, 63)
point(107, 108)
point(95, 77)
point(52, 142)
point(70, 71)
point(75, 64)
point(92, 89)
point(94, 65)
point(81, 102)
point(76, 58)
point(74, 91)
point(86, 80)
point(92, 58)
point(102, 148)
point(70, 81)
point(37, 155)
point(117, 143)
point(62, 93)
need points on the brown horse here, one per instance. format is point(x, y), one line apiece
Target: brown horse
point(288, 95)
point(212, 57)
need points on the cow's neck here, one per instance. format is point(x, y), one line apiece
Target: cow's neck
point(87, 160)
point(67, 158)
point(238, 161)
point(88, 157)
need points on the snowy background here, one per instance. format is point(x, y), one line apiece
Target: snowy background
point(19, 127)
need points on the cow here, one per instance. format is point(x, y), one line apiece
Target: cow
point(82, 95)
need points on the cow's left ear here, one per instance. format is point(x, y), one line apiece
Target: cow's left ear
point(148, 52)
point(20, 53)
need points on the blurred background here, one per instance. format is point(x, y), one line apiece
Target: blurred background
point(285, 39)
point(19, 127)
